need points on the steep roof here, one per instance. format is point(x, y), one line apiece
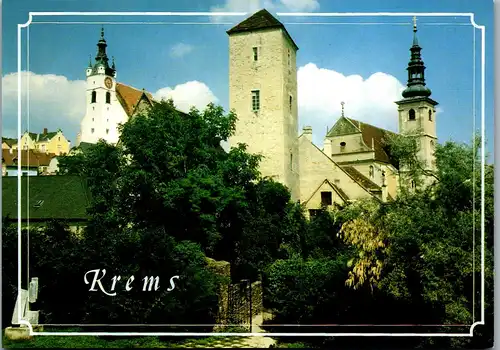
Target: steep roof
point(380, 137)
point(28, 158)
point(360, 178)
point(50, 197)
point(129, 97)
point(46, 137)
point(347, 126)
point(9, 141)
point(260, 20)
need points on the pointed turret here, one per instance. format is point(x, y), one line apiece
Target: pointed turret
point(101, 65)
point(416, 79)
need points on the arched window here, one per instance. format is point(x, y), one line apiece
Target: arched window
point(371, 172)
point(94, 97)
point(342, 146)
point(430, 115)
point(108, 97)
point(432, 146)
point(411, 114)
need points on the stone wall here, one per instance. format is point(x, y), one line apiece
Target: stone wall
point(235, 299)
point(257, 296)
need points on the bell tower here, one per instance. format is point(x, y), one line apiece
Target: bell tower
point(101, 117)
point(417, 112)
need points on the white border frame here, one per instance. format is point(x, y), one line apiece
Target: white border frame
point(303, 14)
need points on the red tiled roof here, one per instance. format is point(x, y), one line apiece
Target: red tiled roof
point(379, 137)
point(28, 158)
point(129, 97)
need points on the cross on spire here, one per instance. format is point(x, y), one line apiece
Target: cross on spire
point(342, 104)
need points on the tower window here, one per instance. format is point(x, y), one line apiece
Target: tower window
point(92, 130)
point(255, 100)
point(430, 115)
point(342, 146)
point(255, 53)
point(371, 172)
point(411, 114)
point(107, 131)
point(326, 198)
point(290, 103)
point(108, 97)
point(94, 97)
point(291, 161)
point(289, 59)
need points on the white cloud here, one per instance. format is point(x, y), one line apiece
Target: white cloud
point(251, 6)
point(320, 92)
point(54, 102)
point(180, 50)
point(192, 93)
point(301, 5)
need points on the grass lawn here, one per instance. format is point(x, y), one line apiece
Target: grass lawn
point(135, 342)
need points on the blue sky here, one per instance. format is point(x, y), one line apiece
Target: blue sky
point(360, 60)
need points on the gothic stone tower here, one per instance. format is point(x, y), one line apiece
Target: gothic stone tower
point(103, 112)
point(417, 113)
point(263, 94)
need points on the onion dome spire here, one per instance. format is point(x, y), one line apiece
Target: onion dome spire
point(416, 69)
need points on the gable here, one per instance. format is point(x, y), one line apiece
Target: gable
point(380, 138)
point(343, 127)
point(143, 105)
point(316, 166)
point(338, 196)
point(130, 97)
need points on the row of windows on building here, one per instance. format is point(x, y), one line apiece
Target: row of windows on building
point(93, 98)
point(412, 115)
point(93, 130)
point(256, 101)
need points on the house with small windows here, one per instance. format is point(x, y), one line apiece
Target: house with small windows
point(32, 163)
point(45, 142)
point(354, 161)
point(8, 143)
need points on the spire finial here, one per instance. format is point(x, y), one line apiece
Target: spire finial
point(414, 23)
point(102, 31)
point(342, 104)
point(90, 60)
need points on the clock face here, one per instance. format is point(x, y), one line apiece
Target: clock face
point(108, 82)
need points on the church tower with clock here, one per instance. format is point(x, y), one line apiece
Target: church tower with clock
point(103, 110)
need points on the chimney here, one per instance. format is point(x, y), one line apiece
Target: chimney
point(385, 192)
point(45, 131)
point(327, 147)
point(308, 132)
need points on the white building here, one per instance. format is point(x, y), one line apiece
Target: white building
point(109, 103)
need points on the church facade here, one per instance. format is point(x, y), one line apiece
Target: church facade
point(354, 161)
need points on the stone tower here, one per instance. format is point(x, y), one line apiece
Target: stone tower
point(103, 112)
point(263, 94)
point(417, 113)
